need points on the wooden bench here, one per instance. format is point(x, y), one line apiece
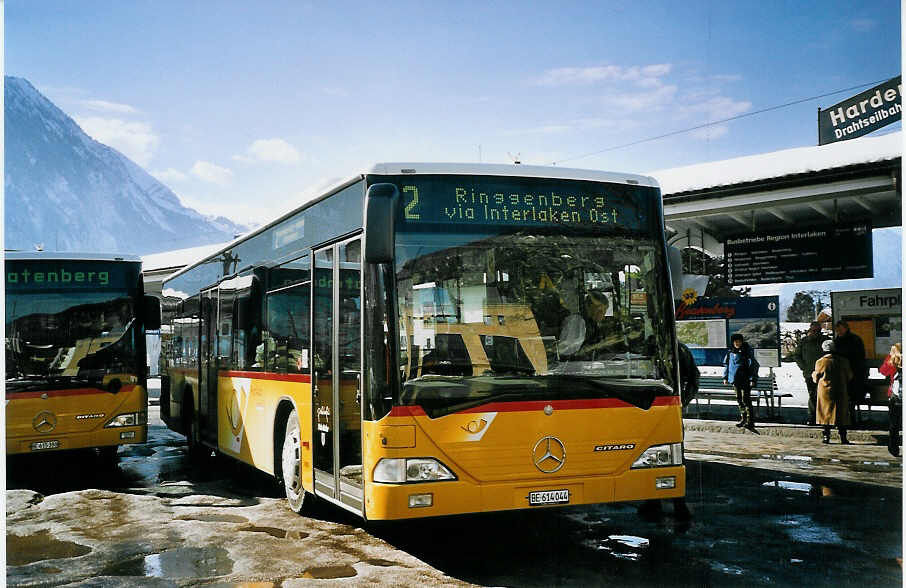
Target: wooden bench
point(713, 387)
point(876, 396)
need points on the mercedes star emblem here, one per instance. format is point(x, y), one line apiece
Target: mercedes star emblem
point(44, 422)
point(549, 454)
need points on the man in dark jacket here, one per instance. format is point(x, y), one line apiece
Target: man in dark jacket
point(808, 351)
point(689, 374)
point(741, 370)
point(850, 346)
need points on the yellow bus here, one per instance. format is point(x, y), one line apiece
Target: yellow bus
point(437, 339)
point(75, 352)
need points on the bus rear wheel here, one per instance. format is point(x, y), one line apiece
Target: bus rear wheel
point(291, 464)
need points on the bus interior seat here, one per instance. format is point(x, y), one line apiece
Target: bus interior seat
point(572, 335)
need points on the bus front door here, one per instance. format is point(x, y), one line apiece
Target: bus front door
point(207, 383)
point(337, 344)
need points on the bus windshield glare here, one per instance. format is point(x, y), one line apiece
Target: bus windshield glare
point(68, 335)
point(516, 313)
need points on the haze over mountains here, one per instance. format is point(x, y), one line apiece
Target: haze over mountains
point(68, 192)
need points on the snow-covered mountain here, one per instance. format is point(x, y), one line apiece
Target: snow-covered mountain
point(71, 193)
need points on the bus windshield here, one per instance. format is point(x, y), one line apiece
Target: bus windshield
point(524, 316)
point(67, 338)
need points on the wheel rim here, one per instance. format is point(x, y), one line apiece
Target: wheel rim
point(292, 478)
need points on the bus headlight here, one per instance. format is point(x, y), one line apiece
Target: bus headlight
point(128, 419)
point(660, 456)
point(412, 469)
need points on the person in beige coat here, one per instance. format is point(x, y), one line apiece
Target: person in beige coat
point(832, 374)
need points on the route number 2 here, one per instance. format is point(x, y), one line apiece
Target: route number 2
point(410, 215)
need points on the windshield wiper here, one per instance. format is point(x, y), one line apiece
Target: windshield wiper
point(25, 383)
point(31, 383)
point(511, 368)
point(641, 396)
point(472, 403)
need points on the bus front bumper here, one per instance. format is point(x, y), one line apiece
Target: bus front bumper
point(66, 441)
point(403, 501)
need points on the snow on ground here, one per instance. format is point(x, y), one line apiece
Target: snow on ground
point(789, 381)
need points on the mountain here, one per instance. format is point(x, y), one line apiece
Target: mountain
point(72, 193)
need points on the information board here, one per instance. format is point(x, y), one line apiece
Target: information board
point(806, 255)
point(707, 324)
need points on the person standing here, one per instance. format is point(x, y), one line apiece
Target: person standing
point(806, 354)
point(893, 369)
point(847, 344)
point(741, 370)
point(689, 374)
point(832, 374)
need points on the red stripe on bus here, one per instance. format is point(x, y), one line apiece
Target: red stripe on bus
point(59, 393)
point(303, 378)
point(407, 411)
point(525, 406)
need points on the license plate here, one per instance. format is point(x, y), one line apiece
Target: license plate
point(548, 497)
point(39, 445)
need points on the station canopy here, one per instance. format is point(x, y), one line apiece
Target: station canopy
point(845, 182)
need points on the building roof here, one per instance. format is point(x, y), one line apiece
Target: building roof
point(173, 260)
point(846, 182)
point(777, 164)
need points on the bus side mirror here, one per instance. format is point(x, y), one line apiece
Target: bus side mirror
point(380, 213)
point(151, 313)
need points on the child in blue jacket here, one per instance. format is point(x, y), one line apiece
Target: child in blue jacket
point(741, 370)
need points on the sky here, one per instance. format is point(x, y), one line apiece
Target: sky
point(246, 109)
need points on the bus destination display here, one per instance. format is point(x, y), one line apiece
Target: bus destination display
point(69, 274)
point(524, 201)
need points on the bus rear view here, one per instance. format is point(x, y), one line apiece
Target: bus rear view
point(75, 352)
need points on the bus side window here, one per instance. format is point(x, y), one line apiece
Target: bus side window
point(288, 327)
point(186, 328)
point(247, 331)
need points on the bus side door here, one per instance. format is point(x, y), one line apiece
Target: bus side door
point(337, 344)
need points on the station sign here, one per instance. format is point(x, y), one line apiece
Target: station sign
point(705, 325)
point(800, 255)
point(874, 315)
point(864, 113)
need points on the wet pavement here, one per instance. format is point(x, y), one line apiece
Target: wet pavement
point(795, 449)
point(771, 509)
point(159, 519)
point(749, 527)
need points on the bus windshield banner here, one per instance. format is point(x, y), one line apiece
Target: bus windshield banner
point(519, 202)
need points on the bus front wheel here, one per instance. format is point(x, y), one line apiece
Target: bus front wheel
point(291, 464)
point(108, 457)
